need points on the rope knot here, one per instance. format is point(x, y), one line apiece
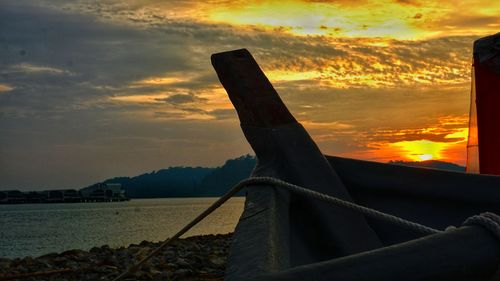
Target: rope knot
point(489, 221)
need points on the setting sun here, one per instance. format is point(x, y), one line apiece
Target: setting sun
point(425, 157)
point(421, 150)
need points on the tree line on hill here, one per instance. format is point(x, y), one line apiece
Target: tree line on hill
point(187, 181)
point(433, 164)
point(207, 182)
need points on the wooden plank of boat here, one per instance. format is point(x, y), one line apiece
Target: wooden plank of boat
point(281, 236)
point(251, 93)
point(261, 111)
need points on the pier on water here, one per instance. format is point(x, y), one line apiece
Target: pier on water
point(102, 192)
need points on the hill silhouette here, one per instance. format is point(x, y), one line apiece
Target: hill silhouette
point(208, 182)
point(187, 181)
point(170, 182)
point(433, 164)
point(220, 180)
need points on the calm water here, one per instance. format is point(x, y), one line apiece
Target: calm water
point(37, 229)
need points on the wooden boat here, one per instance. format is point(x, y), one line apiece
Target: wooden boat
point(285, 236)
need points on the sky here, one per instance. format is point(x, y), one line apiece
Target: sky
point(91, 90)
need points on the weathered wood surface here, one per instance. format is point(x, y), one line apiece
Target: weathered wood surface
point(251, 93)
point(285, 150)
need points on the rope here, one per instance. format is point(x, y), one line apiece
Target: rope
point(185, 229)
point(351, 206)
point(489, 221)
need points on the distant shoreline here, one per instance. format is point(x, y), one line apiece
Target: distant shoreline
point(114, 201)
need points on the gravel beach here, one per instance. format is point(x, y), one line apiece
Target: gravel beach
point(193, 258)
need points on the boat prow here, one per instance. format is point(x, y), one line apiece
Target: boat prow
point(285, 236)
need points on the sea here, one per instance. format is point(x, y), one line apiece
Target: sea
point(38, 229)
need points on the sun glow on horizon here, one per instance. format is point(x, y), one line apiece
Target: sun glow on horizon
point(425, 157)
point(450, 147)
point(424, 150)
point(420, 150)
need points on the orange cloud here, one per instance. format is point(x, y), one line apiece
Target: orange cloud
point(5, 87)
point(445, 141)
point(387, 19)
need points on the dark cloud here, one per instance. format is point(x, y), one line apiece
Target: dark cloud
point(436, 134)
point(182, 99)
point(99, 56)
point(221, 114)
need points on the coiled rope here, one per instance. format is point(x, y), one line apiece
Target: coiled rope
point(489, 221)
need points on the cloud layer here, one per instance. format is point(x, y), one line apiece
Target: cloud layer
point(89, 91)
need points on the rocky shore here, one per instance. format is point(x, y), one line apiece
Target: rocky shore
point(194, 258)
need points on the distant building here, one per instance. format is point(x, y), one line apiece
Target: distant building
point(101, 192)
point(104, 192)
point(12, 197)
point(71, 195)
point(35, 197)
point(54, 196)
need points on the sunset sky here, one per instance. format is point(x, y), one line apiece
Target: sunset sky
point(91, 90)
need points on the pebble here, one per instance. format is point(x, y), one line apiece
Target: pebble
point(202, 257)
